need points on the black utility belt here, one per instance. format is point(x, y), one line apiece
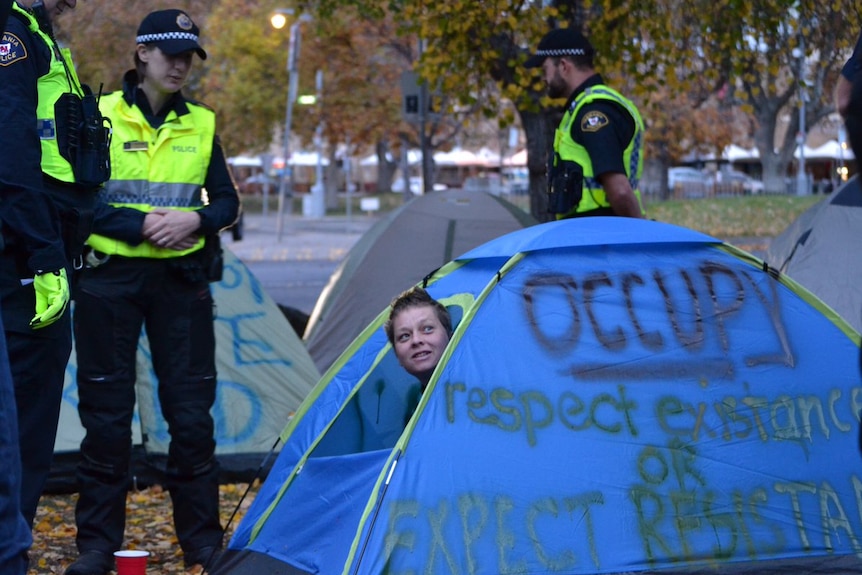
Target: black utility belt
point(95, 258)
point(199, 266)
point(53, 184)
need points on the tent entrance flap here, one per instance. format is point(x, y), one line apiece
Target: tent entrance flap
point(321, 527)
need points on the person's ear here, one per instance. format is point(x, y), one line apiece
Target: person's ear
point(143, 52)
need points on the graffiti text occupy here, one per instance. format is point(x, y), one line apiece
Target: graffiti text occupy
point(686, 310)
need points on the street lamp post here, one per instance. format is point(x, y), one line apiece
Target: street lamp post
point(318, 200)
point(801, 184)
point(842, 143)
point(347, 182)
point(278, 21)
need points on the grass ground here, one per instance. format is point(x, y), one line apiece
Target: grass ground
point(733, 217)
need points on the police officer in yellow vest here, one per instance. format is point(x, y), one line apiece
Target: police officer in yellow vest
point(597, 158)
point(153, 253)
point(32, 277)
point(38, 358)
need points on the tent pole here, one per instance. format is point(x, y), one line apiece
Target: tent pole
point(376, 511)
point(248, 487)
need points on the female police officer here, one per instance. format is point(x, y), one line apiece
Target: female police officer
point(151, 265)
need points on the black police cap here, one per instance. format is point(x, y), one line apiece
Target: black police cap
point(560, 42)
point(173, 31)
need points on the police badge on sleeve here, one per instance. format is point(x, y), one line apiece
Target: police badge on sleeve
point(12, 49)
point(593, 121)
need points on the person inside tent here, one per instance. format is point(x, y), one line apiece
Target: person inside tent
point(419, 328)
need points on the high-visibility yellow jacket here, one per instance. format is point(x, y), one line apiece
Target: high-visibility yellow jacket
point(593, 197)
point(163, 167)
point(60, 79)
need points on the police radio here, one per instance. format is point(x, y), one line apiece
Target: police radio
point(93, 159)
point(83, 134)
point(565, 185)
point(84, 137)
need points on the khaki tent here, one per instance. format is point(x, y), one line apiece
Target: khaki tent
point(820, 250)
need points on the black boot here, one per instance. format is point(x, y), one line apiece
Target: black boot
point(206, 557)
point(91, 563)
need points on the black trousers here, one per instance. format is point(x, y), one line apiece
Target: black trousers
point(112, 303)
point(15, 537)
point(37, 360)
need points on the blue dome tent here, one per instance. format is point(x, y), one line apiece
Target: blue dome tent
point(619, 396)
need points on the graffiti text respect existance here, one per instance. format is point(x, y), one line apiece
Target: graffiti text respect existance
point(529, 412)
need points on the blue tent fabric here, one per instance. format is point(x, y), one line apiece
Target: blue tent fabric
point(618, 396)
point(318, 546)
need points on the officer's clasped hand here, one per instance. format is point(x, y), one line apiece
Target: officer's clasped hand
point(52, 297)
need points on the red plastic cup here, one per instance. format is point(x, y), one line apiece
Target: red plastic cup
point(131, 561)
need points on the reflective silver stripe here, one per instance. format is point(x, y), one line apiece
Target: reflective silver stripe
point(156, 194)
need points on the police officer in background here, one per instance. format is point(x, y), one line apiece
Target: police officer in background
point(844, 87)
point(597, 157)
point(36, 262)
point(848, 100)
point(848, 97)
point(154, 252)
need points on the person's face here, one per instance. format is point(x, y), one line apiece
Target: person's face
point(556, 85)
point(56, 7)
point(165, 73)
point(420, 340)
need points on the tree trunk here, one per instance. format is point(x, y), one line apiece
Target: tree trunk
point(539, 142)
point(774, 161)
point(332, 176)
point(385, 167)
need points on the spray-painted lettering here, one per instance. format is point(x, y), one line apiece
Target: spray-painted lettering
point(800, 419)
point(470, 521)
point(695, 310)
point(529, 412)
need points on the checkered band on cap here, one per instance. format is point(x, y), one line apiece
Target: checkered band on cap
point(561, 52)
point(147, 38)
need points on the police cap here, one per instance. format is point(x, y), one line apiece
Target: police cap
point(560, 42)
point(173, 31)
